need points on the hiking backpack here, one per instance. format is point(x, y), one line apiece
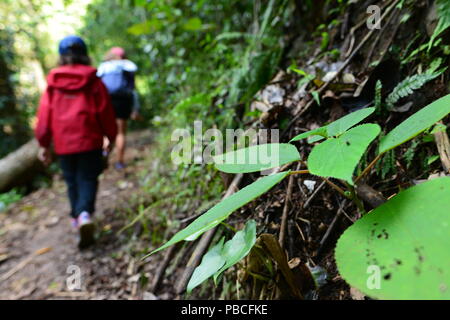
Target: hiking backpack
point(118, 82)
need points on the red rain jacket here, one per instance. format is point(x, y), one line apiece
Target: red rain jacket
point(75, 111)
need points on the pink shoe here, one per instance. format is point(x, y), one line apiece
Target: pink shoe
point(74, 223)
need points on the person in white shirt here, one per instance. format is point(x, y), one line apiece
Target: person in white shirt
point(117, 73)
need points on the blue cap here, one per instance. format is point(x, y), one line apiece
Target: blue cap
point(72, 44)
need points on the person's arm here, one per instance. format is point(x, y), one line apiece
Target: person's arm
point(129, 66)
point(101, 70)
point(136, 103)
point(135, 115)
point(106, 114)
point(43, 131)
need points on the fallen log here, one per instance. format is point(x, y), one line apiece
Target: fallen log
point(17, 167)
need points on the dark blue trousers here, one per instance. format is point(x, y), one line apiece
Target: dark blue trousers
point(81, 171)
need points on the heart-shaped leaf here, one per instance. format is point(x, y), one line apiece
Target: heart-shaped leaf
point(401, 249)
point(257, 158)
point(416, 124)
point(238, 247)
point(212, 261)
point(338, 157)
point(223, 209)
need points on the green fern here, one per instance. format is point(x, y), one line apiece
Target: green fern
point(443, 11)
point(410, 153)
point(377, 102)
point(388, 164)
point(409, 85)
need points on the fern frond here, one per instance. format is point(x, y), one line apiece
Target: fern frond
point(378, 88)
point(443, 11)
point(409, 85)
point(410, 153)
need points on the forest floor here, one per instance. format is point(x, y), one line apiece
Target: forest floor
point(38, 246)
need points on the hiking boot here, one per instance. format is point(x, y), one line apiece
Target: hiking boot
point(87, 230)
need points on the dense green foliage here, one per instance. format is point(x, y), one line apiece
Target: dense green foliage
point(9, 117)
point(197, 58)
point(8, 198)
point(27, 52)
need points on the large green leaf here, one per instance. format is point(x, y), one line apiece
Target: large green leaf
point(223, 209)
point(212, 261)
point(322, 131)
point(238, 247)
point(221, 257)
point(339, 126)
point(417, 123)
point(408, 239)
point(338, 157)
point(257, 158)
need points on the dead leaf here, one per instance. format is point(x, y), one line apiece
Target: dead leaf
point(42, 251)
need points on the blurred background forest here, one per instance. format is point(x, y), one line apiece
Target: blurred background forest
point(191, 55)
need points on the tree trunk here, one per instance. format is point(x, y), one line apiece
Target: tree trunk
point(17, 167)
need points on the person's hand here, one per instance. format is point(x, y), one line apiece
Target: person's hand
point(136, 116)
point(107, 145)
point(45, 156)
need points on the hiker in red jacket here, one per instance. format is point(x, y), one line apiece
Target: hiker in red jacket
point(75, 112)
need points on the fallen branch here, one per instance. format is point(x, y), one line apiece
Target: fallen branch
point(306, 205)
point(162, 268)
point(374, 43)
point(331, 227)
point(23, 264)
point(369, 195)
point(284, 217)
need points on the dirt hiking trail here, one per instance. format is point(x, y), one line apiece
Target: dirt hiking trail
point(38, 246)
